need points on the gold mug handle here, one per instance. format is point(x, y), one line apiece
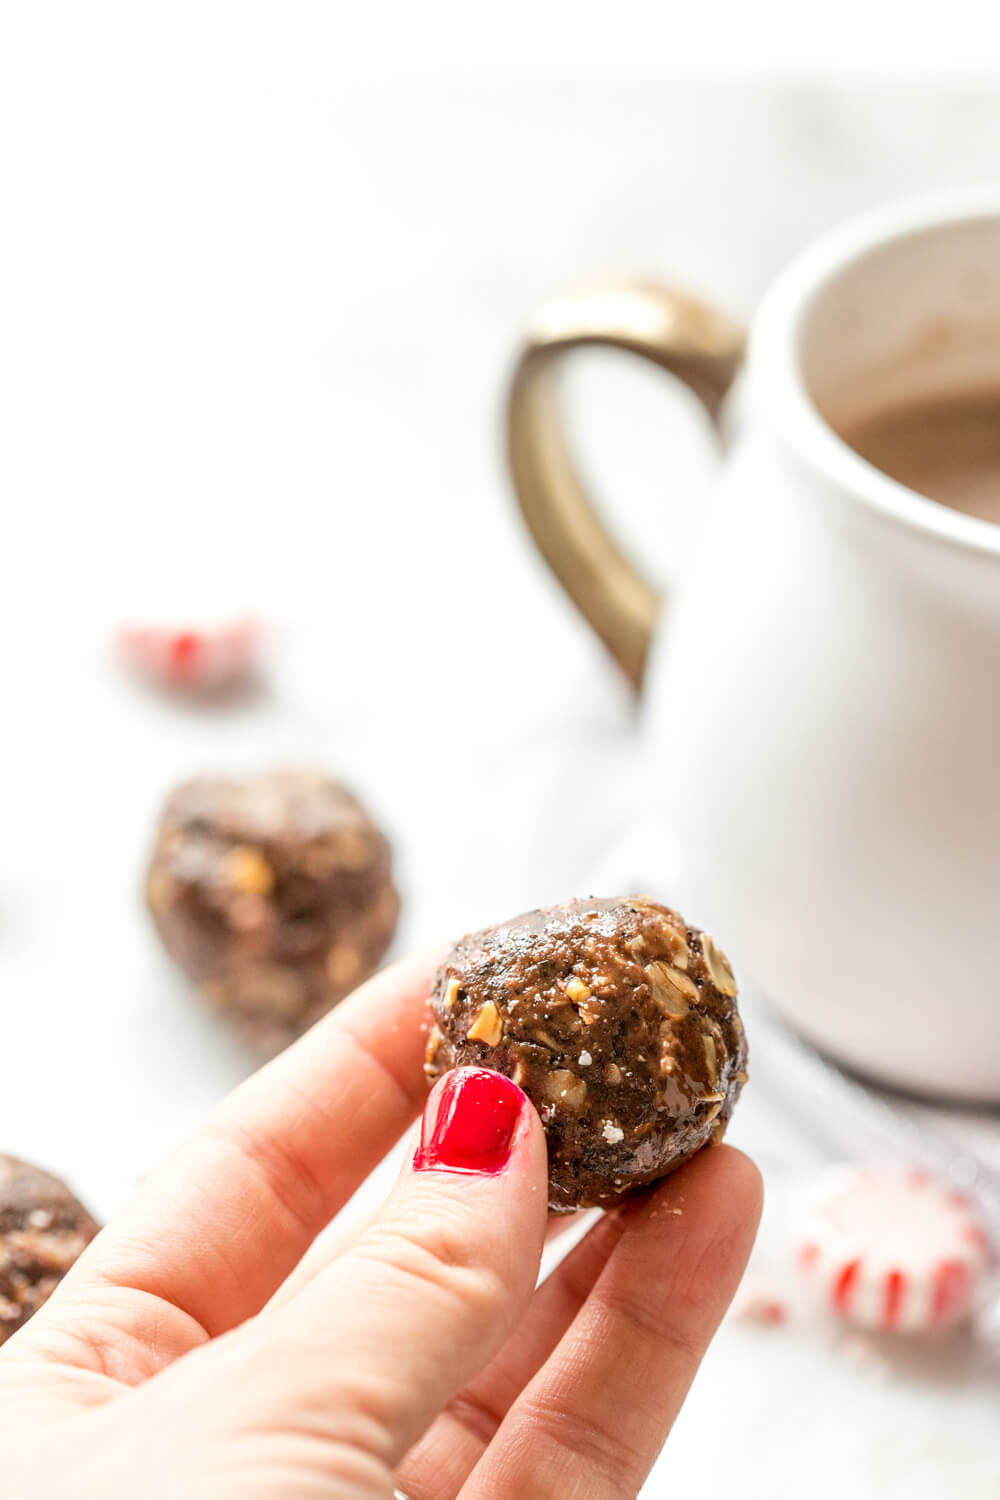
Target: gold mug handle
point(678, 333)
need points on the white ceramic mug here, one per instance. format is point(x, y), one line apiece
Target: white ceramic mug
point(823, 691)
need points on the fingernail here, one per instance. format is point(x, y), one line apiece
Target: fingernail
point(469, 1123)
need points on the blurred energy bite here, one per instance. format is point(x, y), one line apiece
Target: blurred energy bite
point(274, 893)
point(43, 1229)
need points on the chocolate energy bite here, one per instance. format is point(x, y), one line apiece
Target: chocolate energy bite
point(43, 1229)
point(619, 1022)
point(275, 894)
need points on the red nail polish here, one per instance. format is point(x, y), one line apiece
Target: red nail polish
point(469, 1123)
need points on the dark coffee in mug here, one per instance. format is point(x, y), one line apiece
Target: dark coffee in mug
point(946, 447)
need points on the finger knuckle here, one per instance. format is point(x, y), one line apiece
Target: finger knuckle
point(644, 1318)
point(271, 1165)
point(563, 1439)
point(443, 1261)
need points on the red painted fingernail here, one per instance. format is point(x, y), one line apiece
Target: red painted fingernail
point(469, 1123)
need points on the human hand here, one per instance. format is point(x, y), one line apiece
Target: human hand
point(196, 1349)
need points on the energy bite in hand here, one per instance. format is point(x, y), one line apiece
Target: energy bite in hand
point(619, 1022)
point(43, 1229)
point(275, 894)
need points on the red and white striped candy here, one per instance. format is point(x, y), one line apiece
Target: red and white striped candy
point(892, 1249)
point(201, 658)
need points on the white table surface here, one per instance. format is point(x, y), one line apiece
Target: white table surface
point(255, 329)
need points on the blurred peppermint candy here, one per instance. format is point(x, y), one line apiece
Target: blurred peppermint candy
point(892, 1249)
point(204, 655)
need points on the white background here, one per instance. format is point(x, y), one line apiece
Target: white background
point(879, 38)
point(260, 292)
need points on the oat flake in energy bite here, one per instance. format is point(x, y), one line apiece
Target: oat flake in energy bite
point(617, 1019)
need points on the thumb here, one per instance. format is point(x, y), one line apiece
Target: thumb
point(377, 1343)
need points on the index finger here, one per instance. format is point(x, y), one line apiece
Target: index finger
point(220, 1225)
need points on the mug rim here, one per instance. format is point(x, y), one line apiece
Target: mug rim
point(774, 362)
